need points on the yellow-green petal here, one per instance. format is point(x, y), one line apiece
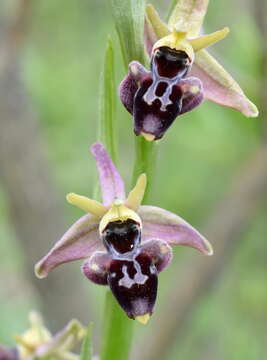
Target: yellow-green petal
point(188, 16)
point(136, 196)
point(88, 205)
point(204, 41)
point(159, 27)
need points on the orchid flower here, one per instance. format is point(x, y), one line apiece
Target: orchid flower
point(182, 73)
point(125, 244)
point(38, 342)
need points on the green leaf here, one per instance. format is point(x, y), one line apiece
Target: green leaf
point(107, 132)
point(129, 18)
point(87, 352)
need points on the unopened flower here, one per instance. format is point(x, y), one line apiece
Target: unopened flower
point(125, 245)
point(38, 342)
point(181, 73)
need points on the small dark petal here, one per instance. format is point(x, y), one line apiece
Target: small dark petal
point(159, 251)
point(127, 90)
point(137, 71)
point(8, 353)
point(96, 268)
point(134, 284)
point(193, 96)
point(129, 85)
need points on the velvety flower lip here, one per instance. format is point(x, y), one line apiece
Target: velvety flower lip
point(187, 17)
point(125, 244)
point(154, 100)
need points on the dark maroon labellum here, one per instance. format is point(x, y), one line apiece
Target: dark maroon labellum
point(157, 97)
point(155, 116)
point(129, 267)
point(134, 284)
point(121, 237)
point(158, 101)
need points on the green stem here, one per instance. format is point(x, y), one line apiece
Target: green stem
point(129, 21)
point(118, 331)
point(145, 161)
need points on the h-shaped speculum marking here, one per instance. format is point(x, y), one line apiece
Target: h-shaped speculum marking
point(150, 95)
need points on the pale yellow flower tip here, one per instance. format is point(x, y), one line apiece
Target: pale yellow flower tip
point(88, 205)
point(136, 196)
point(38, 270)
point(148, 137)
point(207, 40)
point(143, 319)
point(252, 110)
point(209, 248)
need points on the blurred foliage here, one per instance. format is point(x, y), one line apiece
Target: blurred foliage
point(62, 63)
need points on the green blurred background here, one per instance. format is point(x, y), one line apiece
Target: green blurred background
point(199, 159)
